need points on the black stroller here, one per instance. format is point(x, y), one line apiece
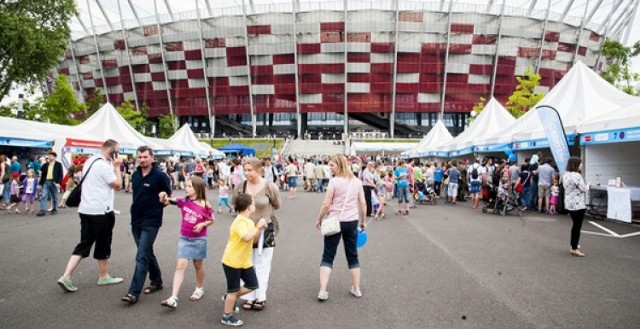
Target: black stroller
point(495, 205)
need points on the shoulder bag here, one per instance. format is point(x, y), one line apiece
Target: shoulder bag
point(73, 200)
point(331, 225)
point(269, 231)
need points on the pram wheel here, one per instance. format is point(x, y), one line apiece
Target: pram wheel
point(484, 210)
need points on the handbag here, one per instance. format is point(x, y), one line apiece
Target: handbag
point(73, 200)
point(519, 187)
point(270, 231)
point(331, 225)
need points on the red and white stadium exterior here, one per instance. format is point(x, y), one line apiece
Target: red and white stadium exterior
point(383, 57)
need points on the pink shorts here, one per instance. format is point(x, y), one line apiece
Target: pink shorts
point(553, 199)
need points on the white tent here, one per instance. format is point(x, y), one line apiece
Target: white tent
point(494, 117)
point(611, 145)
point(21, 133)
point(185, 139)
point(107, 123)
point(580, 96)
point(394, 148)
point(214, 153)
point(437, 136)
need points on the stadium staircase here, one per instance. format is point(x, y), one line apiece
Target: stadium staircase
point(381, 123)
point(300, 147)
point(233, 127)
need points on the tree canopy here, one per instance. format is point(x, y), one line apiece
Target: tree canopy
point(33, 36)
point(61, 105)
point(525, 96)
point(618, 69)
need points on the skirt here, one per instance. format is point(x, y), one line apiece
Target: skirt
point(192, 248)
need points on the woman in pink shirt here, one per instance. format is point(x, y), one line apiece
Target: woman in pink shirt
point(344, 191)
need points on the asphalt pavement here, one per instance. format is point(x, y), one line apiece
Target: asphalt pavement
point(439, 267)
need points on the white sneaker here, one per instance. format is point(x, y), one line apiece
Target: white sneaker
point(357, 293)
point(323, 295)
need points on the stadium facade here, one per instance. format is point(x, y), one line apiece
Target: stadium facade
point(293, 67)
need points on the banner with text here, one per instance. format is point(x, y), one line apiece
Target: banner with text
point(555, 134)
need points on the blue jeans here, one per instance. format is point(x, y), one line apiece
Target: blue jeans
point(531, 197)
point(524, 196)
point(6, 192)
point(49, 191)
point(319, 186)
point(146, 261)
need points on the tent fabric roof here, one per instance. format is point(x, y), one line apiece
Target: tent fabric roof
point(437, 136)
point(580, 96)
point(107, 123)
point(379, 147)
point(186, 140)
point(622, 118)
point(23, 129)
point(491, 119)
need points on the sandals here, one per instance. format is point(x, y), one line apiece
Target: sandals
point(197, 294)
point(171, 302)
point(151, 289)
point(254, 305)
point(130, 299)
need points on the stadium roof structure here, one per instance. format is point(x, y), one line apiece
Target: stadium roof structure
point(610, 17)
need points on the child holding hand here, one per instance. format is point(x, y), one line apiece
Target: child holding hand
point(236, 260)
point(197, 214)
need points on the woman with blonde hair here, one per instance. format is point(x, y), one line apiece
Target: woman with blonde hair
point(266, 199)
point(344, 199)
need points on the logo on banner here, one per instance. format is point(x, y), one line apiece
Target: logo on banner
point(587, 138)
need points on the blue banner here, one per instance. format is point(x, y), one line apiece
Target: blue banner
point(25, 143)
point(611, 136)
point(555, 135)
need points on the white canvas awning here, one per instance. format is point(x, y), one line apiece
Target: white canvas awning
point(185, 139)
point(437, 136)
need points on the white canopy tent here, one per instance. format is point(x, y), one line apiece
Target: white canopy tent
point(383, 148)
point(107, 123)
point(21, 133)
point(185, 139)
point(494, 117)
point(610, 146)
point(215, 154)
point(437, 136)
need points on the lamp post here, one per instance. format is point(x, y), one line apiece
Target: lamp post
point(473, 117)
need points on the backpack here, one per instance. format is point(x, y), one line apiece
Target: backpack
point(474, 172)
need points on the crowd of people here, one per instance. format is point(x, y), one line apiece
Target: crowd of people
point(357, 188)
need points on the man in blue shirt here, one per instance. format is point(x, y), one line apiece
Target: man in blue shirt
point(146, 218)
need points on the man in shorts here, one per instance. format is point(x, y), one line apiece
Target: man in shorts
point(97, 217)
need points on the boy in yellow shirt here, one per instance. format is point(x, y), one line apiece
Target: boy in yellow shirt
point(236, 260)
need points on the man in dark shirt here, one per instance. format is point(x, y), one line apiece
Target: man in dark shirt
point(50, 179)
point(146, 218)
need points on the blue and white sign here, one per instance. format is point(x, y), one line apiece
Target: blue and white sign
point(556, 137)
point(611, 136)
point(463, 151)
point(492, 148)
point(25, 143)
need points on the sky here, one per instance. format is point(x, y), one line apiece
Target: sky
point(145, 8)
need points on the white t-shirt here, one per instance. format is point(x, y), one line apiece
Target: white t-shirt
point(97, 193)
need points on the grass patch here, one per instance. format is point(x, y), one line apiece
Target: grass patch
point(261, 145)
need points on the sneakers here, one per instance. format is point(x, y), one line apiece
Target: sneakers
point(41, 213)
point(231, 320)
point(54, 212)
point(236, 308)
point(67, 285)
point(109, 281)
point(323, 296)
point(356, 292)
point(577, 253)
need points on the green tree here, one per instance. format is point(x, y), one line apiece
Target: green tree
point(476, 108)
point(525, 96)
point(94, 104)
point(138, 120)
point(33, 36)
point(618, 70)
point(166, 126)
point(61, 106)
point(31, 110)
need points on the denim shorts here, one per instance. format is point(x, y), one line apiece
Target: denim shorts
point(403, 194)
point(192, 248)
point(293, 181)
point(475, 187)
point(452, 189)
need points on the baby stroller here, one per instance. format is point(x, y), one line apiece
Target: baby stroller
point(495, 205)
point(424, 193)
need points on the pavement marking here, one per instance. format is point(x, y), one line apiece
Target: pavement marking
point(605, 229)
point(610, 233)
